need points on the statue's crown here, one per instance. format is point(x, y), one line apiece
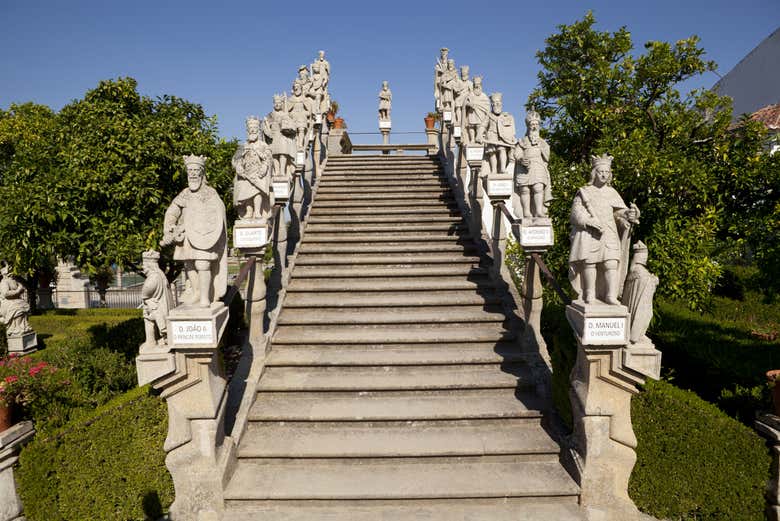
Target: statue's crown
point(151, 255)
point(195, 160)
point(303, 68)
point(464, 68)
point(278, 98)
point(496, 96)
point(477, 80)
point(602, 160)
point(532, 116)
point(315, 66)
point(444, 49)
point(252, 122)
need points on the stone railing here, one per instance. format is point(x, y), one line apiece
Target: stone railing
point(207, 414)
point(11, 442)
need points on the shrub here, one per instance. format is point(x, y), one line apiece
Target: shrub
point(110, 466)
point(693, 461)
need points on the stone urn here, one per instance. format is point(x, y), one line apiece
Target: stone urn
point(772, 377)
point(430, 121)
point(338, 123)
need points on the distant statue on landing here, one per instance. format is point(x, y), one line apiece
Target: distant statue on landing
point(156, 300)
point(532, 178)
point(253, 164)
point(324, 67)
point(195, 223)
point(385, 102)
point(601, 224)
point(438, 70)
point(638, 292)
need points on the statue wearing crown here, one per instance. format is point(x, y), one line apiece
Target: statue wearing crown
point(461, 89)
point(156, 301)
point(253, 163)
point(195, 224)
point(299, 108)
point(448, 80)
point(532, 178)
point(601, 225)
point(498, 130)
point(279, 130)
point(476, 107)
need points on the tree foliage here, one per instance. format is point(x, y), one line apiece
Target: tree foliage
point(675, 154)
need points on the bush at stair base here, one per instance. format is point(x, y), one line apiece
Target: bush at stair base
point(110, 466)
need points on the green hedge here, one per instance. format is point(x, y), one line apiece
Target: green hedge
point(694, 462)
point(109, 466)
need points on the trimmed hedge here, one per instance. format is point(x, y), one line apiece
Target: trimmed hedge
point(109, 466)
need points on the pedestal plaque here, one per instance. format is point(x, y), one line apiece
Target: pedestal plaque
point(300, 159)
point(474, 153)
point(498, 188)
point(536, 236)
point(385, 125)
point(457, 132)
point(599, 324)
point(281, 189)
point(318, 119)
point(447, 117)
point(189, 326)
point(250, 234)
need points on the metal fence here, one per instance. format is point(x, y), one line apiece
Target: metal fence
point(90, 298)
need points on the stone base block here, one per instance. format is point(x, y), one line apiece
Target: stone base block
point(250, 235)
point(24, 344)
point(152, 366)
point(599, 324)
point(644, 359)
point(191, 327)
point(535, 233)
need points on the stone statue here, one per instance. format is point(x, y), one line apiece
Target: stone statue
point(477, 109)
point(299, 107)
point(638, 291)
point(253, 163)
point(304, 79)
point(279, 130)
point(499, 135)
point(601, 224)
point(156, 300)
point(532, 178)
point(448, 79)
point(441, 66)
point(14, 307)
point(195, 223)
point(324, 67)
point(319, 90)
point(461, 89)
point(385, 102)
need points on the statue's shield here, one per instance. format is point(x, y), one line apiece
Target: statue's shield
point(204, 221)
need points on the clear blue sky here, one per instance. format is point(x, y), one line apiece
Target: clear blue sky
point(232, 57)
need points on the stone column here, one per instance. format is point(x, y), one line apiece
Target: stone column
point(605, 377)
point(532, 292)
point(433, 141)
point(768, 426)
point(338, 142)
point(11, 442)
point(294, 206)
point(191, 379)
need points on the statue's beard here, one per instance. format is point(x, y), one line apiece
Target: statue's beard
point(533, 135)
point(194, 184)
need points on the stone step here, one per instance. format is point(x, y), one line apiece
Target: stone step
point(384, 247)
point(394, 377)
point(395, 354)
point(383, 180)
point(416, 284)
point(388, 315)
point(493, 509)
point(387, 228)
point(398, 270)
point(373, 207)
point(393, 333)
point(305, 259)
point(373, 297)
point(317, 237)
point(395, 439)
point(411, 212)
point(382, 191)
point(392, 218)
point(368, 198)
point(400, 478)
point(396, 405)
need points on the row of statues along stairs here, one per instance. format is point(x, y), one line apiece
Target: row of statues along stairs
point(396, 386)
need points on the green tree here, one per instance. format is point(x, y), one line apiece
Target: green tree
point(599, 95)
point(121, 156)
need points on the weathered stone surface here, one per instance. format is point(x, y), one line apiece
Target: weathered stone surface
point(11, 442)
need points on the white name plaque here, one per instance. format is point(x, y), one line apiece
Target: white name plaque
point(385, 125)
point(447, 116)
point(318, 119)
point(500, 187)
point(192, 332)
point(536, 236)
point(281, 189)
point(474, 153)
point(300, 158)
point(456, 132)
point(604, 331)
point(255, 237)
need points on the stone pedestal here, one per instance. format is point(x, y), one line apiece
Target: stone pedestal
point(432, 136)
point(535, 233)
point(768, 426)
point(72, 289)
point(602, 386)
point(250, 235)
point(11, 442)
point(45, 298)
point(338, 142)
point(23, 344)
point(190, 377)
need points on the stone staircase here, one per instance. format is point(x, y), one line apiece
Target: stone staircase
point(395, 388)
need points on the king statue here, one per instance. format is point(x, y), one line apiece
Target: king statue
point(253, 164)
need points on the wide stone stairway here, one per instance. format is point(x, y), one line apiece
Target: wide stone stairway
point(395, 387)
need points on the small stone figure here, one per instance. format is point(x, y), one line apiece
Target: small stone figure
point(304, 79)
point(195, 222)
point(461, 89)
point(532, 178)
point(253, 163)
point(385, 102)
point(499, 135)
point(14, 307)
point(438, 70)
point(157, 301)
point(638, 292)
point(601, 224)
point(477, 109)
point(324, 67)
point(299, 107)
point(279, 130)
point(319, 90)
point(448, 80)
